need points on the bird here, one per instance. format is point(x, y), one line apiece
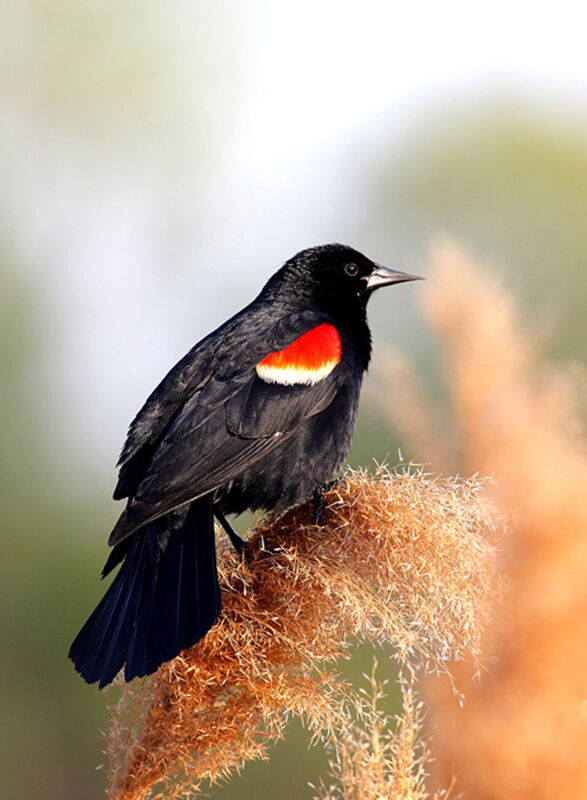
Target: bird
point(259, 414)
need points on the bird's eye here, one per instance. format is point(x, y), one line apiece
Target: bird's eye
point(351, 270)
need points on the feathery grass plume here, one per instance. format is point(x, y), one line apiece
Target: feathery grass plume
point(374, 762)
point(402, 559)
point(523, 731)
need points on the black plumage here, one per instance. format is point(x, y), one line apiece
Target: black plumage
point(259, 414)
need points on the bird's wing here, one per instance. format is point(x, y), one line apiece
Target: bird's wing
point(238, 417)
point(146, 430)
point(215, 364)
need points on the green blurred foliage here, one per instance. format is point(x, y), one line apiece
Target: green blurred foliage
point(88, 92)
point(509, 180)
point(45, 578)
point(110, 74)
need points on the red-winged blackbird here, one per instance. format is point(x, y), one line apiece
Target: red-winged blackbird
point(259, 414)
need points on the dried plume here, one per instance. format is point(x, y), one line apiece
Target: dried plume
point(522, 732)
point(375, 761)
point(402, 560)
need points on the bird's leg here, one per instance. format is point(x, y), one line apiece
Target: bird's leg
point(318, 516)
point(237, 541)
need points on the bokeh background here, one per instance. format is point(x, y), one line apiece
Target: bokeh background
point(159, 161)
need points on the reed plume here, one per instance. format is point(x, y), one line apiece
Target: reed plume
point(522, 732)
point(378, 758)
point(403, 559)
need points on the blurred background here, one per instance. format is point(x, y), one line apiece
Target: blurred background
point(159, 162)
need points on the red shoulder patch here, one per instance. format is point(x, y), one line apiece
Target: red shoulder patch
point(308, 359)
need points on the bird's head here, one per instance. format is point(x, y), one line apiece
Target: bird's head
point(334, 278)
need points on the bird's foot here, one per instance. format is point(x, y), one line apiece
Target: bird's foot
point(318, 515)
point(239, 544)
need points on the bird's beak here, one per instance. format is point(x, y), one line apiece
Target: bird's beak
point(383, 276)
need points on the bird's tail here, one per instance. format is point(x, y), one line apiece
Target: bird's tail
point(164, 598)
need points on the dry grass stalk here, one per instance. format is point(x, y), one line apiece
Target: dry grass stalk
point(402, 559)
point(522, 734)
point(373, 762)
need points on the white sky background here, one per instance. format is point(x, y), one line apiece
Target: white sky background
point(327, 75)
point(137, 274)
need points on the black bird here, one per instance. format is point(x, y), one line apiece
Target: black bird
point(259, 414)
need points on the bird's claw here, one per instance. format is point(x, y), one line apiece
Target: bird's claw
point(239, 544)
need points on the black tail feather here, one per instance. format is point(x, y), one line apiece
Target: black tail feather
point(164, 598)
